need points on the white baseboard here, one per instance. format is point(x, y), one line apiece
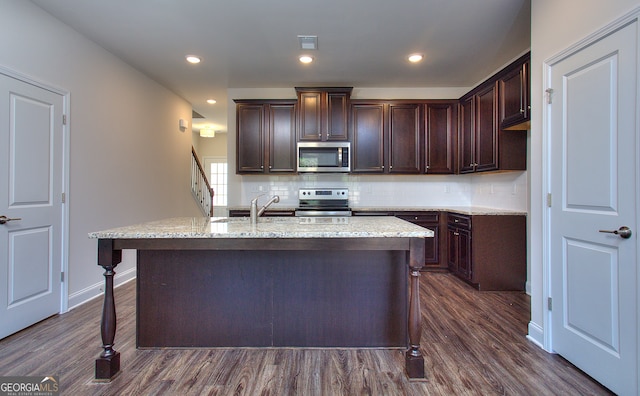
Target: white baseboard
point(96, 290)
point(536, 334)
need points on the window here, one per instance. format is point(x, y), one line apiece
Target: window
point(218, 181)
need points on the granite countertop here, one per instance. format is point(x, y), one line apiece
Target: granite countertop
point(268, 227)
point(465, 210)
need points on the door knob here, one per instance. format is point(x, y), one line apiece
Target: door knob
point(4, 219)
point(623, 232)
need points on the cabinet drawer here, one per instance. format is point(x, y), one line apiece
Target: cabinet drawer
point(459, 220)
point(419, 217)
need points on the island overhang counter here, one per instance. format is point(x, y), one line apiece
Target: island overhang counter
point(283, 282)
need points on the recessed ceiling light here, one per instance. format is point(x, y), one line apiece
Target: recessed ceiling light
point(211, 101)
point(193, 59)
point(414, 58)
point(306, 59)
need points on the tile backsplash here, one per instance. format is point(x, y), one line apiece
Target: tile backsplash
point(507, 190)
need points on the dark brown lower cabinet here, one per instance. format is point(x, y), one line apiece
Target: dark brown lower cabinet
point(433, 260)
point(488, 251)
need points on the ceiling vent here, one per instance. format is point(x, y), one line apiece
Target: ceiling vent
point(308, 42)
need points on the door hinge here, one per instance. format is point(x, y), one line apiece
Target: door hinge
point(64, 119)
point(549, 200)
point(549, 92)
point(64, 198)
point(62, 277)
point(549, 303)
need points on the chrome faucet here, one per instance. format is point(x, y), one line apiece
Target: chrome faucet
point(255, 212)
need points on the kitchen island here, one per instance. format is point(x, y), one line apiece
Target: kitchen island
point(283, 282)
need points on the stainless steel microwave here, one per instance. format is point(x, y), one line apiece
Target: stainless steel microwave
point(324, 157)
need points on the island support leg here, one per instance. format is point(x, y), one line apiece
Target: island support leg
point(414, 361)
point(108, 363)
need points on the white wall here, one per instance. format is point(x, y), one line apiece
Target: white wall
point(555, 26)
point(129, 161)
point(506, 190)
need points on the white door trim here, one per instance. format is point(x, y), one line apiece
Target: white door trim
point(633, 16)
point(64, 265)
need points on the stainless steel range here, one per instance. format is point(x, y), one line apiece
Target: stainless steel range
point(323, 202)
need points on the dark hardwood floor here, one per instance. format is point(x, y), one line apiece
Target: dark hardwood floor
point(474, 344)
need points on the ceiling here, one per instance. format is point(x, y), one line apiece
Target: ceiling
point(254, 44)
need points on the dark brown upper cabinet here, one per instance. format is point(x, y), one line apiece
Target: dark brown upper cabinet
point(265, 138)
point(514, 86)
point(404, 136)
point(368, 134)
point(323, 113)
point(440, 132)
point(387, 137)
point(484, 143)
point(404, 151)
point(479, 130)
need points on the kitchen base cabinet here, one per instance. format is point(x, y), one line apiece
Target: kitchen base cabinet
point(435, 221)
point(434, 257)
point(488, 251)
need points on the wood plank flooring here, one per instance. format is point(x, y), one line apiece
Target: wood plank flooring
point(474, 344)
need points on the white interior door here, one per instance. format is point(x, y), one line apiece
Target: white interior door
point(31, 167)
point(593, 175)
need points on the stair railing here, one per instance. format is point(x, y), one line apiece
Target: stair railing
point(200, 187)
